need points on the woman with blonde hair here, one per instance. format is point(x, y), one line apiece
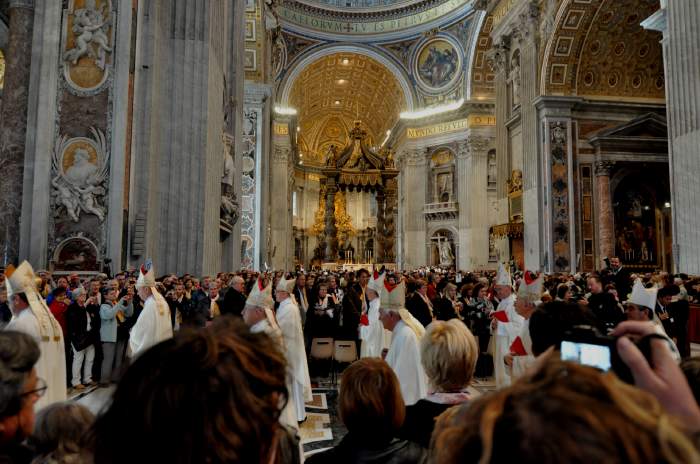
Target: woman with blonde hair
point(562, 412)
point(448, 353)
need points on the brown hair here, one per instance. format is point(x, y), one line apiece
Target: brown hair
point(211, 395)
point(562, 412)
point(370, 402)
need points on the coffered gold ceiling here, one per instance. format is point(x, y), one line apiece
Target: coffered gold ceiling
point(337, 89)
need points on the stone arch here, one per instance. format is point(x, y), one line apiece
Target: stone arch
point(77, 254)
point(316, 53)
point(481, 79)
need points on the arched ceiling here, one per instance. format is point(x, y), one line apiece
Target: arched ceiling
point(599, 49)
point(337, 89)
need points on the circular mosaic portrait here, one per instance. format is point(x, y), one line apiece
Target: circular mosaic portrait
point(437, 64)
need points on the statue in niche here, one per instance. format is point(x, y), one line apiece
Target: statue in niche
point(444, 187)
point(332, 159)
point(492, 168)
point(515, 79)
point(515, 183)
point(90, 26)
point(447, 258)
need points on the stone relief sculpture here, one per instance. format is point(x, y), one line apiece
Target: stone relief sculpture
point(91, 26)
point(229, 205)
point(80, 169)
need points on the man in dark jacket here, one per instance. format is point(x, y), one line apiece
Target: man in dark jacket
point(419, 305)
point(603, 304)
point(620, 277)
point(179, 304)
point(234, 300)
point(83, 335)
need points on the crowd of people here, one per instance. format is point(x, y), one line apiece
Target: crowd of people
point(216, 368)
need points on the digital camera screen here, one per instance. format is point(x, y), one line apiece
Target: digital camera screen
point(597, 356)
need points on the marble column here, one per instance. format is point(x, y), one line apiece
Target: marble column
point(379, 242)
point(390, 221)
point(13, 124)
point(678, 20)
point(464, 198)
point(525, 40)
point(415, 193)
point(606, 228)
point(280, 211)
point(331, 232)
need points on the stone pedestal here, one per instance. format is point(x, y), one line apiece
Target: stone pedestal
point(13, 125)
point(678, 20)
point(606, 230)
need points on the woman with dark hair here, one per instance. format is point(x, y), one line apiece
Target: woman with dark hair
point(59, 434)
point(371, 407)
point(211, 396)
point(478, 321)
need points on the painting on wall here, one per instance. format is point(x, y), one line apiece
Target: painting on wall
point(250, 30)
point(250, 60)
point(438, 64)
point(635, 225)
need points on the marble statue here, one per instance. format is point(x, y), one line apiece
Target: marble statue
point(90, 27)
point(515, 80)
point(229, 206)
point(447, 258)
point(80, 187)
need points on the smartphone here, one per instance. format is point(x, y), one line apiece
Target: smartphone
point(585, 345)
point(588, 354)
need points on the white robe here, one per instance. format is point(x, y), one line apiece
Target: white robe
point(404, 358)
point(372, 335)
point(152, 327)
point(289, 320)
point(504, 336)
point(288, 416)
point(51, 366)
point(522, 363)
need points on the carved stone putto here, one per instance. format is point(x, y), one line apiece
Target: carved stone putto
point(515, 183)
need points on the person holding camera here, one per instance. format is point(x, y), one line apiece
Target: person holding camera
point(83, 334)
point(112, 311)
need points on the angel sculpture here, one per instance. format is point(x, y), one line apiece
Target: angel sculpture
point(79, 187)
point(90, 26)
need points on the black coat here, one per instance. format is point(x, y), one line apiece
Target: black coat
point(198, 312)
point(350, 450)
point(444, 309)
point(349, 321)
point(622, 283)
point(234, 302)
point(605, 307)
point(183, 306)
point(419, 309)
point(78, 334)
point(420, 421)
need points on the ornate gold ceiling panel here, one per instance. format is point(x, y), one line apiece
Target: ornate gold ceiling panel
point(619, 57)
point(336, 90)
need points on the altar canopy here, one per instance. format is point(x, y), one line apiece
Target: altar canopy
point(357, 167)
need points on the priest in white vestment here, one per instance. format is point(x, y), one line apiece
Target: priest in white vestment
point(289, 320)
point(33, 317)
point(258, 315)
point(404, 352)
point(506, 324)
point(521, 357)
point(154, 324)
point(371, 328)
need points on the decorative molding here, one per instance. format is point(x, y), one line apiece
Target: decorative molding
point(415, 158)
point(28, 4)
point(499, 54)
point(604, 168)
point(281, 154)
point(525, 27)
point(479, 144)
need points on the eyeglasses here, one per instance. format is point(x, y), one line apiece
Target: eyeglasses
point(40, 389)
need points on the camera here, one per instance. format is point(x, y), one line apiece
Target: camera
point(587, 346)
